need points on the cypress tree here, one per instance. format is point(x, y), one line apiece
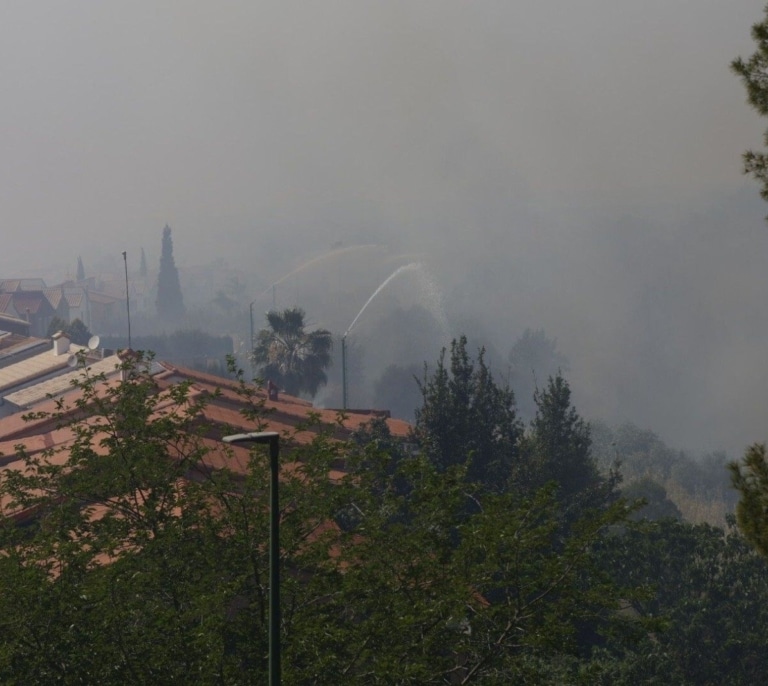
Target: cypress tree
point(170, 304)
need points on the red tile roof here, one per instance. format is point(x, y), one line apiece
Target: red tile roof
point(293, 418)
point(6, 303)
point(30, 301)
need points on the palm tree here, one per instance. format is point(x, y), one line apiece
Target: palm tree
point(291, 357)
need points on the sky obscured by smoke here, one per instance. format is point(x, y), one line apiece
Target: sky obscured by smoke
point(572, 166)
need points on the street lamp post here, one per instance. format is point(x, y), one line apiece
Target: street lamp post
point(344, 371)
point(271, 438)
point(250, 343)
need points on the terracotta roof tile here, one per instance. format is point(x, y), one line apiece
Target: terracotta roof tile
point(6, 303)
point(31, 301)
point(53, 296)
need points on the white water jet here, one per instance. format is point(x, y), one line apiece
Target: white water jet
point(433, 299)
point(315, 261)
point(393, 275)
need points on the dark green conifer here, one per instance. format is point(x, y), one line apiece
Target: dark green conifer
point(170, 303)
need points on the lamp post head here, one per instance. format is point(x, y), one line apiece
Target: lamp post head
point(262, 437)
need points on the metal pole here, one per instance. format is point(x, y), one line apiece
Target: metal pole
point(127, 298)
point(274, 565)
point(250, 344)
point(273, 439)
point(344, 372)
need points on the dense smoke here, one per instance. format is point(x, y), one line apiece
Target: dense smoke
point(566, 166)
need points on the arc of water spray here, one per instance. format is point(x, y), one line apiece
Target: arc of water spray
point(315, 260)
point(393, 275)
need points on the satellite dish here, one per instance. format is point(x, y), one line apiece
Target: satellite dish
point(93, 342)
point(72, 361)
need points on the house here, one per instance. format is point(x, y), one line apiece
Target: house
point(24, 372)
point(16, 285)
point(107, 313)
point(45, 385)
point(70, 302)
point(16, 347)
point(13, 325)
point(30, 306)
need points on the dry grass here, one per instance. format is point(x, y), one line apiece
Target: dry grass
point(697, 508)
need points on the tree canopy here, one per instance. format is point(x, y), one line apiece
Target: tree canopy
point(138, 563)
point(754, 74)
point(466, 417)
point(750, 478)
point(289, 355)
point(533, 358)
point(77, 331)
point(135, 551)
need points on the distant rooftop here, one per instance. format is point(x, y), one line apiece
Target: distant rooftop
point(12, 344)
point(34, 367)
point(15, 285)
point(27, 397)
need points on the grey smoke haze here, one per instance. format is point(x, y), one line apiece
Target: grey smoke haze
point(567, 165)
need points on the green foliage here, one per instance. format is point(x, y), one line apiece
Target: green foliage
point(135, 563)
point(57, 324)
point(446, 581)
point(188, 347)
point(532, 360)
point(77, 332)
point(170, 302)
point(699, 486)
point(754, 75)
point(111, 561)
point(129, 559)
point(750, 478)
point(709, 594)
point(290, 356)
point(656, 503)
point(557, 449)
point(467, 418)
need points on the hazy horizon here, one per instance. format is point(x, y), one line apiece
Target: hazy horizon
point(568, 166)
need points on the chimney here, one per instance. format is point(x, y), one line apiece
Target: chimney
point(60, 343)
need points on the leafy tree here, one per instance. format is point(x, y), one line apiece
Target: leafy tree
point(140, 564)
point(534, 357)
point(707, 591)
point(750, 478)
point(170, 303)
point(657, 504)
point(754, 74)
point(557, 449)
point(76, 331)
point(467, 418)
point(113, 535)
point(57, 324)
point(182, 346)
point(290, 356)
point(702, 482)
point(458, 584)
